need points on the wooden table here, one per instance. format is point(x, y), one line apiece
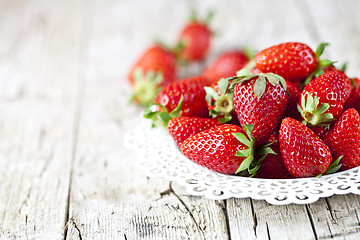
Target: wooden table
point(64, 172)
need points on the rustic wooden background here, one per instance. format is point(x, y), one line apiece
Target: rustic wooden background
point(64, 173)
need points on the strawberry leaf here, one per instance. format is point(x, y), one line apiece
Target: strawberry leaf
point(320, 49)
point(146, 86)
point(176, 112)
point(225, 119)
point(223, 85)
point(260, 86)
point(343, 67)
point(211, 93)
point(247, 153)
point(274, 80)
point(159, 114)
point(326, 62)
point(245, 164)
point(241, 138)
point(243, 72)
point(312, 113)
point(253, 171)
point(164, 116)
point(248, 129)
point(334, 167)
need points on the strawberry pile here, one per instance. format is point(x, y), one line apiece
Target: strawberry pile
point(283, 113)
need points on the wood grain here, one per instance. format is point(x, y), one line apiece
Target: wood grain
point(64, 173)
point(39, 77)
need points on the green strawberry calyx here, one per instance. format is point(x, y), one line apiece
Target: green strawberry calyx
point(146, 87)
point(160, 115)
point(333, 168)
point(248, 165)
point(312, 113)
point(221, 103)
point(260, 84)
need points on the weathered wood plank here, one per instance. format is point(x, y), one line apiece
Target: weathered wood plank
point(38, 74)
point(336, 217)
point(337, 22)
point(253, 219)
point(109, 198)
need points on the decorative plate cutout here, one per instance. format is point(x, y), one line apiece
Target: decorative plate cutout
point(162, 158)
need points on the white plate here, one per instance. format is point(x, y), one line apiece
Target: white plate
point(160, 157)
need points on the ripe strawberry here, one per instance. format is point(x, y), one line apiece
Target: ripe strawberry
point(304, 153)
point(194, 40)
point(323, 68)
point(294, 97)
point(323, 98)
point(217, 148)
point(225, 65)
point(354, 99)
point(260, 100)
point(343, 139)
point(152, 71)
point(181, 128)
point(192, 90)
point(220, 102)
point(292, 60)
point(272, 166)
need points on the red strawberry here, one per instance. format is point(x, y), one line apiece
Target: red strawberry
point(226, 65)
point(181, 128)
point(260, 100)
point(291, 109)
point(323, 68)
point(273, 165)
point(153, 70)
point(192, 90)
point(195, 40)
point(354, 99)
point(292, 60)
point(220, 102)
point(323, 98)
point(343, 139)
point(217, 148)
point(304, 153)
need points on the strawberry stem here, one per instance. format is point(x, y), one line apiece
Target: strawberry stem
point(146, 87)
point(312, 113)
point(249, 166)
point(222, 103)
point(248, 153)
point(159, 114)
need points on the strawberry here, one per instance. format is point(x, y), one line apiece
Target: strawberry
point(343, 139)
point(304, 153)
point(152, 71)
point(181, 128)
point(217, 148)
point(323, 99)
point(294, 97)
point(260, 100)
point(354, 99)
point(220, 102)
point(321, 69)
point(293, 61)
point(226, 65)
point(194, 39)
point(189, 92)
point(272, 166)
